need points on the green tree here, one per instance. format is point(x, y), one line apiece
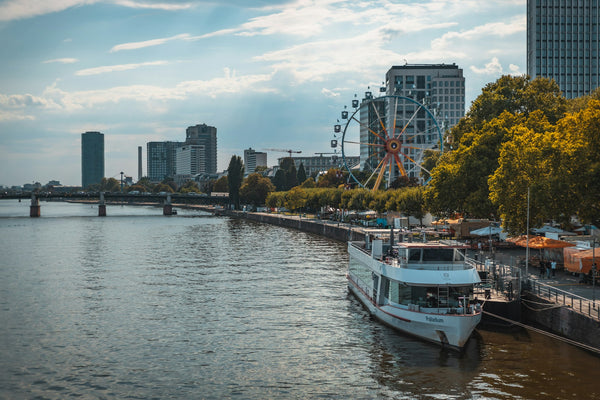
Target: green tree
point(578, 140)
point(109, 185)
point(255, 189)
point(279, 180)
point(189, 187)
point(333, 178)
point(289, 168)
point(301, 174)
point(235, 175)
point(295, 198)
point(171, 183)
point(309, 183)
point(221, 185)
point(275, 199)
point(411, 203)
point(163, 187)
point(136, 187)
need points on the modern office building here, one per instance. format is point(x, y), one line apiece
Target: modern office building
point(253, 159)
point(204, 135)
point(419, 103)
point(441, 87)
point(161, 160)
point(191, 159)
point(92, 158)
point(182, 160)
point(563, 43)
point(140, 173)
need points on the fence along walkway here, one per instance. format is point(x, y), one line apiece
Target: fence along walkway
point(562, 298)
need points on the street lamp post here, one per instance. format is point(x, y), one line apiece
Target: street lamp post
point(121, 181)
point(593, 269)
point(527, 246)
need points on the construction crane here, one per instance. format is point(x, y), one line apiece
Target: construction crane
point(285, 151)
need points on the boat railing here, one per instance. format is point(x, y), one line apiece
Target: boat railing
point(503, 280)
point(363, 286)
point(436, 266)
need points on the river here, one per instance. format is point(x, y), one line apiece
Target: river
point(141, 306)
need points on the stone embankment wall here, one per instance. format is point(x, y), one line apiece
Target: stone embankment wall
point(340, 232)
point(563, 321)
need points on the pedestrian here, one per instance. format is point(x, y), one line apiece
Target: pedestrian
point(553, 268)
point(548, 270)
point(542, 268)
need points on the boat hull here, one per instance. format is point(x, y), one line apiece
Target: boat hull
point(445, 329)
point(448, 329)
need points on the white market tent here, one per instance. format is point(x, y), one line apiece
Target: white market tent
point(487, 231)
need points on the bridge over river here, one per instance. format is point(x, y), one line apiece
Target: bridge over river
point(102, 198)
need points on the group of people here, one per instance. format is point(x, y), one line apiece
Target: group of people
point(547, 267)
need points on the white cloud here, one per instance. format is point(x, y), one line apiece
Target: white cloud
point(6, 116)
point(116, 68)
point(479, 33)
point(21, 9)
point(492, 68)
point(22, 100)
point(155, 6)
point(514, 69)
point(329, 93)
point(149, 43)
point(229, 83)
point(61, 61)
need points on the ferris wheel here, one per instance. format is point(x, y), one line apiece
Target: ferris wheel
point(391, 134)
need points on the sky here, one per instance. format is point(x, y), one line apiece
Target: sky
point(266, 73)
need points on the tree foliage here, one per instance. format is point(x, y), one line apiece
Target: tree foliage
point(221, 185)
point(255, 189)
point(333, 178)
point(460, 181)
point(301, 174)
point(235, 175)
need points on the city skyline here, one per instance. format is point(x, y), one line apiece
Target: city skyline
point(270, 74)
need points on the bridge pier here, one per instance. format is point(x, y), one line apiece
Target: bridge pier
point(34, 208)
point(168, 207)
point(101, 206)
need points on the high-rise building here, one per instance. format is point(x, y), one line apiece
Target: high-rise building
point(206, 136)
point(253, 159)
point(441, 87)
point(140, 163)
point(563, 43)
point(92, 158)
point(161, 160)
point(191, 159)
point(420, 102)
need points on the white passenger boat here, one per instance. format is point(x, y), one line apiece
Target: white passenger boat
point(423, 289)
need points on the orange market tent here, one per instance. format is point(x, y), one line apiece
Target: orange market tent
point(542, 242)
point(515, 239)
point(579, 260)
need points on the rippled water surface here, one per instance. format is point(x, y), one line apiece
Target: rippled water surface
point(138, 305)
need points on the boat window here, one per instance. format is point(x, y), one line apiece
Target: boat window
point(438, 255)
point(414, 255)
